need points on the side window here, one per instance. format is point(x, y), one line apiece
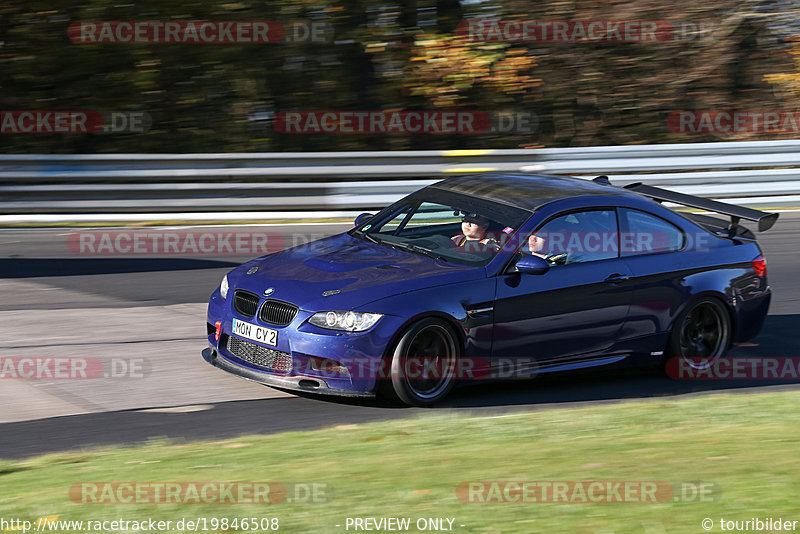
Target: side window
point(644, 233)
point(577, 237)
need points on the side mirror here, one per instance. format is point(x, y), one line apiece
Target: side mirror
point(364, 217)
point(530, 264)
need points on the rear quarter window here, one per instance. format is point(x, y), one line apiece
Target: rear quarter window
point(645, 233)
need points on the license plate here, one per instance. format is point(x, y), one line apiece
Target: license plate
point(256, 333)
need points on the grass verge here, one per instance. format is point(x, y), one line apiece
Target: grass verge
point(743, 444)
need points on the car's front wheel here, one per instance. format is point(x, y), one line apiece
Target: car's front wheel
point(701, 334)
point(423, 365)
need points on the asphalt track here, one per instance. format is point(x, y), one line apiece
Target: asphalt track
point(57, 301)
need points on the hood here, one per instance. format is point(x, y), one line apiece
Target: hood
point(357, 271)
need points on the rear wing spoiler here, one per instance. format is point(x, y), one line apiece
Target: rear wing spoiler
point(736, 213)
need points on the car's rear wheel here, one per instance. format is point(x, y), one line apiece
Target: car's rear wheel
point(701, 334)
point(424, 361)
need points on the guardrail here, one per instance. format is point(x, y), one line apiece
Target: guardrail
point(279, 185)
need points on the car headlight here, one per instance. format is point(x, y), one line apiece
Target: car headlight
point(223, 287)
point(345, 320)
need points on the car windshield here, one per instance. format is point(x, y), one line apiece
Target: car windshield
point(444, 225)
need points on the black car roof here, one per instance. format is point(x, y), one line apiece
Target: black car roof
point(526, 191)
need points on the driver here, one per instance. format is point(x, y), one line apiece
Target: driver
point(536, 246)
point(473, 235)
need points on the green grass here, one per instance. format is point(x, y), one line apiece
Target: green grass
point(746, 444)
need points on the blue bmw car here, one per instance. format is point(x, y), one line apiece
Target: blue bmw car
point(495, 276)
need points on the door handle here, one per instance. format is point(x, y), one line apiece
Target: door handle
point(616, 278)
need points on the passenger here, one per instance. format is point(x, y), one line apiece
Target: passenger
point(473, 236)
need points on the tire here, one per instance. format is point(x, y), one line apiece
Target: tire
point(701, 334)
point(430, 341)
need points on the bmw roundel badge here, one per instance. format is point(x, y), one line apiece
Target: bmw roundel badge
point(251, 270)
point(269, 291)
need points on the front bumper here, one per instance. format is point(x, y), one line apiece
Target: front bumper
point(362, 354)
point(309, 384)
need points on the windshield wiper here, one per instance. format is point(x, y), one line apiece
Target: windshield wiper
point(365, 236)
point(427, 252)
point(408, 247)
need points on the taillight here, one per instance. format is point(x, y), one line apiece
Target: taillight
point(760, 266)
point(217, 330)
